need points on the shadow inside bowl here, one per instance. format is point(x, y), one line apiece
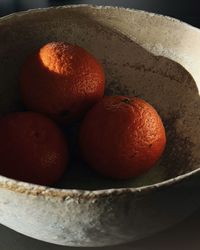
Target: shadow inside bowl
point(130, 70)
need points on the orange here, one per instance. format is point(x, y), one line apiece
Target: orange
point(32, 148)
point(122, 137)
point(62, 81)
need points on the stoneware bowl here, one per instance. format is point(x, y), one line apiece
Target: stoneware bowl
point(151, 56)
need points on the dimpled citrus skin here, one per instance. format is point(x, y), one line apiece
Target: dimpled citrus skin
point(62, 81)
point(32, 148)
point(122, 137)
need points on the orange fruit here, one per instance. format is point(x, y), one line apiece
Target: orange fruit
point(32, 148)
point(62, 81)
point(122, 137)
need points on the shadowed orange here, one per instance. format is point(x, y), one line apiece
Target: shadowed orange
point(32, 148)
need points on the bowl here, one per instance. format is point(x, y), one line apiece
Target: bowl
point(147, 55)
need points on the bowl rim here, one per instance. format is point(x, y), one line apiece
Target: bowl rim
point(44, 191)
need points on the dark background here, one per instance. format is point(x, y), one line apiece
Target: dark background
point(186, 10)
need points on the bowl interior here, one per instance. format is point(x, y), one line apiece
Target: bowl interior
point(130, 70)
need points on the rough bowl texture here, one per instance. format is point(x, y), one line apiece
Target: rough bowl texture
point(154, 57)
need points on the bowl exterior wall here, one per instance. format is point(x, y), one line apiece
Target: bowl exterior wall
point(114, 217)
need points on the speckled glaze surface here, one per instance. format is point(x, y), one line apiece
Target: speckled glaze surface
point(154, 57)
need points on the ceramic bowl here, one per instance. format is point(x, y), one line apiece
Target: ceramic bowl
point(151, 56)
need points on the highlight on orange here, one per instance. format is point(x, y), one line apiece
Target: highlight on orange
point(62, 81)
